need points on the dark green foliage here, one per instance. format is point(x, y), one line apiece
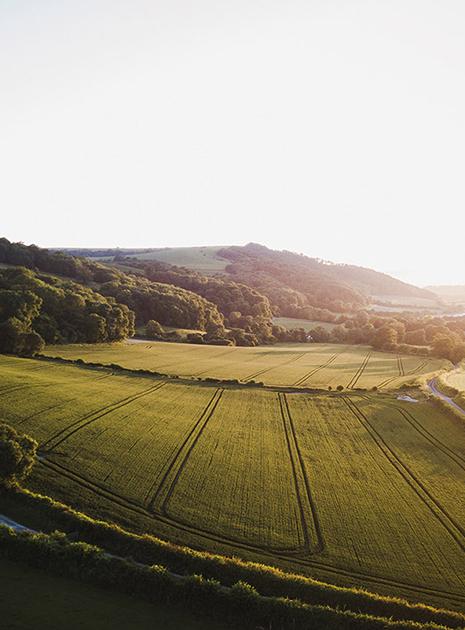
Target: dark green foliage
point(195, 338)
point(166, 304)
point(239, 604)
point(169, 305)
point(154, 330)
point(293, 335)
point(228, 295)
point(37, 308)
point(242, 338)
point(242, 306)
point(17, 338)
point(17, 454)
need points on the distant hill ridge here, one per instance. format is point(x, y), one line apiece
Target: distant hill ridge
point(362, 280)
point(368, 281)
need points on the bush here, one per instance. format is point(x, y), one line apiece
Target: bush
point(240, 605)
point(17, 454)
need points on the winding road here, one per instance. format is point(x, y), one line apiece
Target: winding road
point(432, 386)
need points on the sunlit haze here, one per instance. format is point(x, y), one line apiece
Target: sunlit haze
point(334, 128)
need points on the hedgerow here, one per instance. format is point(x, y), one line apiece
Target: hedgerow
point(240, 604)
point(267, 580)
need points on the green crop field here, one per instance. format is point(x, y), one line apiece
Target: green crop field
point(356, 488)
point(298, 365)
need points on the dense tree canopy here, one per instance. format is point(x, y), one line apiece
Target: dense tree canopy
point(426, 334)
point(35, 309)
point(290, 282)
point(170, 305)
point(241, 306)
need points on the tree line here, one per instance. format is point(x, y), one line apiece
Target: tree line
point(442, 337)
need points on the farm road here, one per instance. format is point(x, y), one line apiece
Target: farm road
point(434, 390)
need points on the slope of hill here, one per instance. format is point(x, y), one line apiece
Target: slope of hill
point(451, 294)
point(292, 282)
point(366, 281)
point(165, 303)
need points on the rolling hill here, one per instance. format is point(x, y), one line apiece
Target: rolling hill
point(291, 281)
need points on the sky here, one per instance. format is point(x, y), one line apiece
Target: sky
point(335, 128)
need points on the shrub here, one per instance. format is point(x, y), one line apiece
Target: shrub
point(17, 454)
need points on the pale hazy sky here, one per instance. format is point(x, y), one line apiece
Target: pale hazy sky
point(330, 127)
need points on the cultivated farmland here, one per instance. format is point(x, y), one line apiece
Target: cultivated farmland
point(360, 489)
point(298, 365)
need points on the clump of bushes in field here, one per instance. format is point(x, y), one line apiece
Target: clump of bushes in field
point(17, 455)
point(239, 604)
point(267, 580)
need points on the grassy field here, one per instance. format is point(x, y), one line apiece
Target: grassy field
point(298, 365)
point(306, 324)
point(356, 488)
point(30, 598)
point(202, 259)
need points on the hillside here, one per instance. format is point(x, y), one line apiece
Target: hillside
point(66, 283)
point(291, 281)
point(451, 294)
point(304, 269)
